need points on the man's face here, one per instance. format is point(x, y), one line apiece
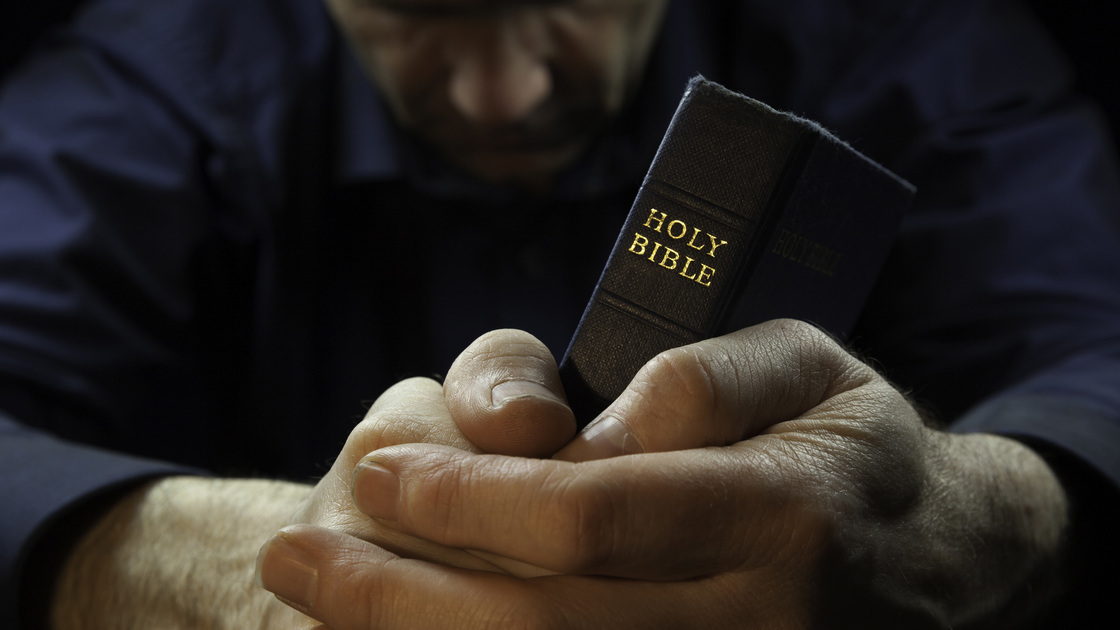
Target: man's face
point(510, 90)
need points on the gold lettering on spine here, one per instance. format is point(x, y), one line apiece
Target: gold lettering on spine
point(670, 258)
point(639, 244)
point(653, 217)
point(692, 241)
point(715, 245)
point(704, 277)
point(684, 271)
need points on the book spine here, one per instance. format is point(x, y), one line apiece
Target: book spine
point(706, 208)
point(746, 214)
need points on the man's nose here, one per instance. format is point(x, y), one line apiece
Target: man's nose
point(499, 72)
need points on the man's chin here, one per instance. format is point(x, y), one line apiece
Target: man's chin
point(534, 170)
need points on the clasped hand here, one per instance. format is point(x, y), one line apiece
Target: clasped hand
point(765, 479)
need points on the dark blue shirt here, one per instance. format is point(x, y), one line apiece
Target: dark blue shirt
point(216, 246)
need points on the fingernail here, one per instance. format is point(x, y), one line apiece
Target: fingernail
point(377, 491)
point(603, 438)
point(506, 391)
point(288, 572)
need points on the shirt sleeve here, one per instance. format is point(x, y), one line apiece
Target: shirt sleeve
point(999, 308)
point(103, 212)
point(45, 481)
point(144, 159)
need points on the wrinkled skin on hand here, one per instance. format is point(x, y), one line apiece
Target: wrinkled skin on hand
point(523, 417)
point(766, 479)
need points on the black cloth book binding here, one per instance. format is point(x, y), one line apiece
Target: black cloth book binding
point(746, 214)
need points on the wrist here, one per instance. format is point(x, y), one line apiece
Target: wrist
point(994, 521)
point(178, 552)
point(49, 553)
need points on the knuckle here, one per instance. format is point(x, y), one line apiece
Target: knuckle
point(384, 428)
point(584, 516)
point(351, 585)
point(688, 369)
point(447, 493)
point(818, 360)
point(799, 337)
point(802, 340)
point(685, 378)
point(795, 327)
point(439, 485)
point(700, 383)
point(411, 411)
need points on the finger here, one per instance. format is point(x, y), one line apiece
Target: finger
point(720, 391)
point(410, 411)
point(656, 516)
point(504, 392)
point(349, 584)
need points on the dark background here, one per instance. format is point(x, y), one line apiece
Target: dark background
point(1089, 30)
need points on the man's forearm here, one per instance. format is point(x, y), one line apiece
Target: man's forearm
point(997, 532)
point(177, 553)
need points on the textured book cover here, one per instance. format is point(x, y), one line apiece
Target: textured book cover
point(746, 214)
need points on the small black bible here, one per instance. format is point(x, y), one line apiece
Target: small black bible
point(746, 214)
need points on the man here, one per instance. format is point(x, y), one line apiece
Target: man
point(219, 236)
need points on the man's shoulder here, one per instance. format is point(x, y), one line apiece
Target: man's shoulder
point(213, 50)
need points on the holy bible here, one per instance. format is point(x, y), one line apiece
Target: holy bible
point(746, 214)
